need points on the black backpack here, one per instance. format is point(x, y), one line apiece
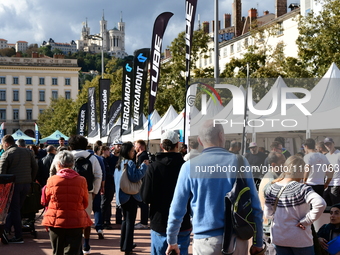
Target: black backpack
point(238, 212)
point(83, 166)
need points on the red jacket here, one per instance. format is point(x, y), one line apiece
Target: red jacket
point(67, 197)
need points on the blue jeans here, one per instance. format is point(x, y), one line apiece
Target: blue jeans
point(282, 250)
point(97, 211)
point(159, 243)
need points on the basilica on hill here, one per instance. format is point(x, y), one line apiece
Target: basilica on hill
point(111, 40)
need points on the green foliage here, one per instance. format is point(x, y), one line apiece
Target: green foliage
point(57, 51)
point(90, 61)
point(171, 88)
point(46, 50)
point(7, 52)
point(31, 48)
point(61, 115)
point(319, 38)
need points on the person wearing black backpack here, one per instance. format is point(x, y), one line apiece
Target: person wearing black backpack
point(204, 182)
point(87, 166)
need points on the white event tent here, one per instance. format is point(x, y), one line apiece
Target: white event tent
point(156, 130)
point(142, 133)
point(324, 107)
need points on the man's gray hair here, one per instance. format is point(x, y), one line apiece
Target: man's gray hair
point(65, 159)
point(21, 142)
point(209, 132)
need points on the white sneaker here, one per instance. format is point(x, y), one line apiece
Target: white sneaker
point(87, 250)
point(100, 234)
point(141, 226)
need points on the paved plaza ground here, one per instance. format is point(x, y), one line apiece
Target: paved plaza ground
point(109, 246)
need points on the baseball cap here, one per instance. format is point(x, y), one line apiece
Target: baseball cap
point(117, 141)
point(252, 144)
point(328, 140)
point(170, 135)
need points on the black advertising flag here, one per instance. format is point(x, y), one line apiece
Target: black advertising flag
point(156, 48)
point(141, 60)
point(127, 95)
point(104, 98)
point(82, 117)
point(91, 113)
point(114, 134)
point(190, 11)
point(114, 112)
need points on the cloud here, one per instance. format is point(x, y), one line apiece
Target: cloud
point(36, 21)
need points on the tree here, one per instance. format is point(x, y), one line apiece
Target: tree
point(171, 88)
point(8, 52)
point(57, 51)
point(61, 110)
point(31, 48)
point(319, 38)
point(46, 50)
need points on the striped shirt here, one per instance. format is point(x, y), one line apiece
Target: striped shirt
point(293, 208)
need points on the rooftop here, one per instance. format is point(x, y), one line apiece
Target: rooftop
point(17, 61)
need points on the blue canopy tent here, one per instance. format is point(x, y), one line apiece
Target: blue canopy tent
point(21, 135)
point(54, 138)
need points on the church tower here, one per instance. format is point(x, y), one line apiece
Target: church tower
point(85, 31)
point(103, 32)
point(121, 28)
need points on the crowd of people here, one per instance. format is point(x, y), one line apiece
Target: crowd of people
point(288, 193)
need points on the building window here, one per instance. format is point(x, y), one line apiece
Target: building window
point(15, 80)
point(29, 114)
point(54, 81)
point(28, 80)
point(41, 111)
point(28, 95)
point(238, 46)
point(232, 49)
point(54, 94)
point(42, 95)
point(68, 94)
point(67, 81)
point(15, 114)
point(2, 114)
point(2, 80)
point(15, 95)
point(225, 52)
point(279, 28)
point(2, 95)
point(246, 43)
point(41, 81)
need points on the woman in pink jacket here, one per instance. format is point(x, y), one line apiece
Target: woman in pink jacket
point(66, 198)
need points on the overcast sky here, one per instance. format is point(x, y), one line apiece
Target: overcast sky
point(36, 21)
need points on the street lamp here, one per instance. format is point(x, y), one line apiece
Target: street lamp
point(98, 37)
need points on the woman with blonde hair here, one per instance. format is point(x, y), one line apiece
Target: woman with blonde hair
point(288, 205)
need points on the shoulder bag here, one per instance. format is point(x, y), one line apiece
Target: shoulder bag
point(127, 186)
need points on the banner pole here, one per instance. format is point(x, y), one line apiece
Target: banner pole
point(244, 135)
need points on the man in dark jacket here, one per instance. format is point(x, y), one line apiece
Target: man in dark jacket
point(158, 189)
point(45, 164)
point(21, 163)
